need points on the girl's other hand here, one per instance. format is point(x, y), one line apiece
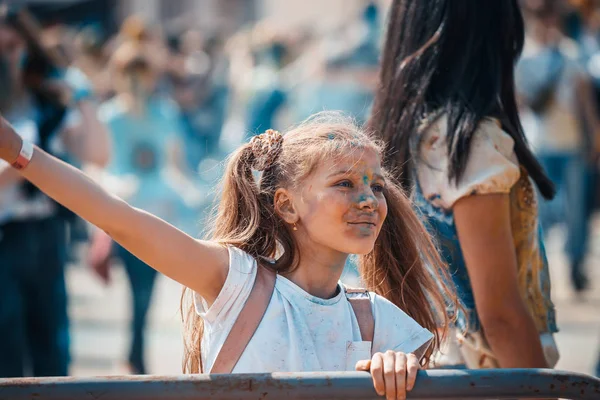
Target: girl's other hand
point(393, 373)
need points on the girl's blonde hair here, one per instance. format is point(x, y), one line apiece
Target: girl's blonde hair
point(403, 267)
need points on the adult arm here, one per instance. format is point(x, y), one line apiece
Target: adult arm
point(485, 235)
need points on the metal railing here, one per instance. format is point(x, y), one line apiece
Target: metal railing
point(431, 384)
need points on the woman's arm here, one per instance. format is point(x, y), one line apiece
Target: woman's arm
point(199, 265)
point(484, 231)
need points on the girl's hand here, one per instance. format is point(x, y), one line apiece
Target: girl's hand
point(10, 142)
point(393, 373)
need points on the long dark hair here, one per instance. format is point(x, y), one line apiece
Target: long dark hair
point(456, 57)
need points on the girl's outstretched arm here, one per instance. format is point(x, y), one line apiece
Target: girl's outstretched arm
point(200, 265)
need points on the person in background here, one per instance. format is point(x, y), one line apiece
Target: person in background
point(57, 38)
point(61, 119)
point(588, 37)
point(350, 69)
point(564, 134)
point(147, 168)
point(269, 93)
point(200, 88)
point(92, 59)
point(453, 135)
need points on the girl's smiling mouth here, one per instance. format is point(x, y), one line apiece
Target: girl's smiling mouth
point(363, 219)
point(373, 224)
point(364, 225)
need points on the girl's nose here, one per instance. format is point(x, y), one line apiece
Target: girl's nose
point(368, 201)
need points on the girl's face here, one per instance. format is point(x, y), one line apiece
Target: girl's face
point(341, 204)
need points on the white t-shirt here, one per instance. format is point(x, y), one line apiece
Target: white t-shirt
point(300, 332)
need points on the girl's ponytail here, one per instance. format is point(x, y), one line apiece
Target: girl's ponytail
point(245, 219)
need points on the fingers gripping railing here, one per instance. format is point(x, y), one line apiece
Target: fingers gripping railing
point(431, 384)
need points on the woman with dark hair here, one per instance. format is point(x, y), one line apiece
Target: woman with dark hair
point(447, 113)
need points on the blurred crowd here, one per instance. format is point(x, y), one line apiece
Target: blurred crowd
point(152, 113)
point(559, 86)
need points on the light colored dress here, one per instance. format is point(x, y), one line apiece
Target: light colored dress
point(492, 168)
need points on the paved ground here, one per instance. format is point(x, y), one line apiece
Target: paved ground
point(100, 319)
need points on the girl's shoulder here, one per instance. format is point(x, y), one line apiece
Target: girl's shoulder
point(492, 166)
point(236, 289)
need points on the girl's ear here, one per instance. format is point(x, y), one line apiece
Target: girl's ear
point(284, 206)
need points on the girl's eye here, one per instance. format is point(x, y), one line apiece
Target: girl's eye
point(346, 184)
point(377, 188)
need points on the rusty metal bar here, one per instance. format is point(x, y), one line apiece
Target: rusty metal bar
point(431, 384)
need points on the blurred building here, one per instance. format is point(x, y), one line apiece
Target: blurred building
point(229, 15)
point(225, 16)
point(76, 12)
point(317, 14)
point(222, 15)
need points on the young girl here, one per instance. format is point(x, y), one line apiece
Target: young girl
point(322, 196)
point(446, 109)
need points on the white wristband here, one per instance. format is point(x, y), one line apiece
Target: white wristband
point(24, 157)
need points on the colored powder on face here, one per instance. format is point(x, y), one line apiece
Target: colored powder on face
point(365, 230)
